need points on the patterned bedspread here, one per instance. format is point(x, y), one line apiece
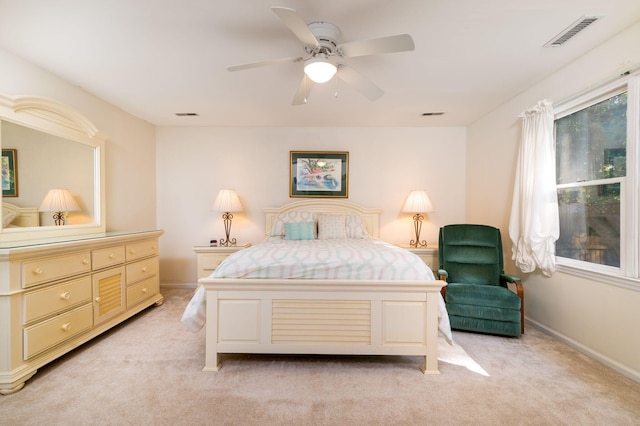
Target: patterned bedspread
point(346, 259)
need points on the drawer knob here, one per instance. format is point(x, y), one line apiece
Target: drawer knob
point(66, 326)
point(132, 251)
point(65, 296)
point(112, 256)
point(85, 261)
point(98, 299)
point(145, 269)
point(144, 290)
point(38, 271)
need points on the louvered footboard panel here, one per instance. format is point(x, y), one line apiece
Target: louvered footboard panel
point(321, 322)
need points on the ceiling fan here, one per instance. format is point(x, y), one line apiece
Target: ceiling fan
point(325, 55)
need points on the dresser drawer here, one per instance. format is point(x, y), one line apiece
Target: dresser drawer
point(142, 249)
point(52, 268)
point(42, 303)
point(45, 335)
point(142, 291)
point(104, 258)
point(142, 269)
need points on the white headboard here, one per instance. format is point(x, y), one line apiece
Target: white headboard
point(25, 216)
point(371, 217)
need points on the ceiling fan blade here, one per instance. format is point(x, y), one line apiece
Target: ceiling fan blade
point(359, 82)
point(264, 63)
point(303, 92)
point(297, 25)
point(396, 43)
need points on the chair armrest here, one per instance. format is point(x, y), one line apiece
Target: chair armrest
point(509, 278)
point(506, 278)
point(443, 275)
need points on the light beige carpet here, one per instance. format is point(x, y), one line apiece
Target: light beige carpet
point(148, 372)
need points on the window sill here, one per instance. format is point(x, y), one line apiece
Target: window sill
point(606, 275)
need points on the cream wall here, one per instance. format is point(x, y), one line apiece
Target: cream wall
point(597, 318)
point(130, 146)
point(384, 165)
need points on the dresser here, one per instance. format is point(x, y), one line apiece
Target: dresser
point(56, 296)
point(208, 258)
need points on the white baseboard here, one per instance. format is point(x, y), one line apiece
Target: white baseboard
point(177, 285)
point(611, 363)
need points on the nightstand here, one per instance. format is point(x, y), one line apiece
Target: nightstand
point(429, 254)
point(210, 257)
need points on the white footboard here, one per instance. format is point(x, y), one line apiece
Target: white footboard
point(322, 317)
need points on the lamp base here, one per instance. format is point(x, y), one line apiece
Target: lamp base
point(417, 227)
point(59, 218)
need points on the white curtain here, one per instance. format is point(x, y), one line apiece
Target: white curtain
point(534, 226)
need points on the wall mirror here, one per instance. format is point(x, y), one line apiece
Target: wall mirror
point(48, 146)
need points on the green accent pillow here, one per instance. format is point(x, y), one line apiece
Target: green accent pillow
point(299, 231)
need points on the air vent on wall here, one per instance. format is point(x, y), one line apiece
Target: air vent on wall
point(573, 30)
point(187, 114)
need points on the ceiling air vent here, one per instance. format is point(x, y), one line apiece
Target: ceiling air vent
point(572, 31)
point(186, 114)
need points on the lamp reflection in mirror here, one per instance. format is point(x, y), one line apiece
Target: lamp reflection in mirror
point(59, 201)
point(227, 202)
point(319, 69)
point(417, 202)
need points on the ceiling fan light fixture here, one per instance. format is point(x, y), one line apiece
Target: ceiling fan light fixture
point(319, 69)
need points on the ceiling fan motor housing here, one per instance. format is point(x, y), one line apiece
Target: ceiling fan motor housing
point(328, 35)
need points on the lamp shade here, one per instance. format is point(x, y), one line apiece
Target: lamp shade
point(417, 202)
point(227, 201)
point(319, 69)
point(59, 200)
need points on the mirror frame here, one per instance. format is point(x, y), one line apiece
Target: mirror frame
point(55, 118)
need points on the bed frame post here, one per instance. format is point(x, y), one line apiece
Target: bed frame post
point(211, 345)
point(431, 335)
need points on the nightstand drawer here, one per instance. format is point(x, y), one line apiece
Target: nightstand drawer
point(142, 291)
point(42, 303)
point(141, 270)
point(49, 269)
point(213, 260)
point(47, 334)
point(107, 257)
point(142, 249)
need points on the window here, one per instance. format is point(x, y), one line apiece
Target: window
point(597, 179)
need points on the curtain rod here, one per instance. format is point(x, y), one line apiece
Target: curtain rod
point(629, 72)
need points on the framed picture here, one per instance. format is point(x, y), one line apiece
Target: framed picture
point(9, 167)
point(319, 174)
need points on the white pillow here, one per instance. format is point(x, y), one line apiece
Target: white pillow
point(332, 227)
point(277, 229)
point(7, 218)
point(355, 227)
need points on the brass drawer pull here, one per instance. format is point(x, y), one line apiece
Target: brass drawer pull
point(65, 296)
point(66, 326)
point(112, 256)
point(38, 271)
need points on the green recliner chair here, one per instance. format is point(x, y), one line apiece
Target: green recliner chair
point(476, 295)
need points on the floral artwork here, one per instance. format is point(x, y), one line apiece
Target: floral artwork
point(9, 173)
point(319, 174)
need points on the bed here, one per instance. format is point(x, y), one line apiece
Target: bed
point(393, 311)
point(14, 216)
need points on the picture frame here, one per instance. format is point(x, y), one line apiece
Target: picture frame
point(319, 174)
point(9, 168)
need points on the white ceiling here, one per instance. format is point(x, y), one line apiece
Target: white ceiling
point(154, 58)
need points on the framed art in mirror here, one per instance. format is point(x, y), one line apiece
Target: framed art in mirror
point(319, 174)
point(9, 165)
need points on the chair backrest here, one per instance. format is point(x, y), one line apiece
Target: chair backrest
point(471, 254)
